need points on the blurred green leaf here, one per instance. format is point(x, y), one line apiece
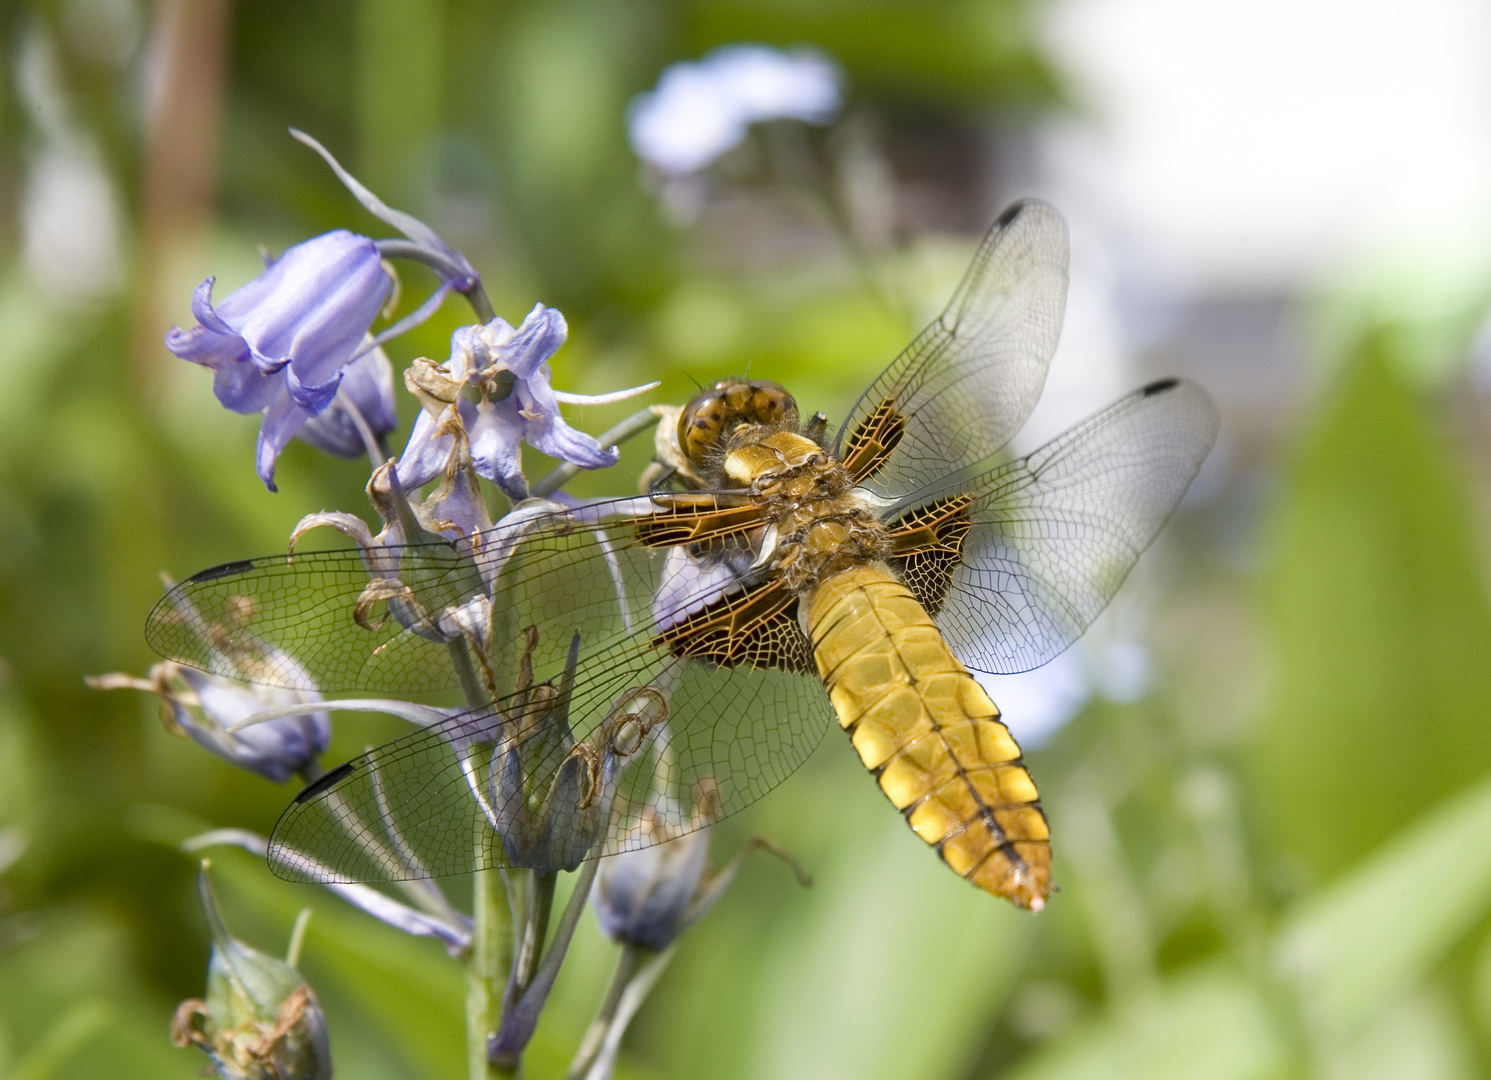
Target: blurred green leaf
point(1379, 625)
point(82, 1021)
point(70, 1004)
point(1417, 1037)
point(892, 973)
point(1381, 930)
point(1208, 1023)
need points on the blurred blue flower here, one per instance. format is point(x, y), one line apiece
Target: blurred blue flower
point(508, 370)
point(280, 343)
point(700, 110)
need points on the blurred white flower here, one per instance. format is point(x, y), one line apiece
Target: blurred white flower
point(700, 110)
point(1036, 704)
point(70, 217)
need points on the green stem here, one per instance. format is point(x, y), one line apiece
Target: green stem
point(536, 928)
point(629, 994)
point(626, 966)
point(470, 682)
point(492, 931)
point(491, 954)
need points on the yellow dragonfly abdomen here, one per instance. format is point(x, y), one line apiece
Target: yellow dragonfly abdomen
point(929, 733)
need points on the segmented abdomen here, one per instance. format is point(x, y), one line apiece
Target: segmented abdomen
point(929, 733)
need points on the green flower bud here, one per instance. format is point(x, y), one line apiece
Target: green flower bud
point(260, 1020)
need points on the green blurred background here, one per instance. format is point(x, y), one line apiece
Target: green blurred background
point(1273, 848)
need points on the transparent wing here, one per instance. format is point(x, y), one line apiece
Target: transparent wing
point(967, 383)
point(322, 621)
point(1053, 535)
point(492, 788)
point(595, 715)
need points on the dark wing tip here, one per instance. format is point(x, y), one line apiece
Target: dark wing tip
point(326, 780)
point(1021, 206)
point(1159, 386)
point(1010, 212)
point(227, 569)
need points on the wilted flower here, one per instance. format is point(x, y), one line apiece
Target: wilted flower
point(508, 370)
point(260, 1020)
point(700, 110)
point(279, 344)
point(206, 708)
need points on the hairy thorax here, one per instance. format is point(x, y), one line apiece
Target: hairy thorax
point(819, 525)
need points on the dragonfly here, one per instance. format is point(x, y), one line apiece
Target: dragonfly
point(656, 662)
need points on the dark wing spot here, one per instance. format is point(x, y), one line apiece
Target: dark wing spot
point(1011, 212)
point(326, 780)
point(227, 569)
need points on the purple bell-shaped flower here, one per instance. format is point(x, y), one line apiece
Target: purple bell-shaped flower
point(279, 344)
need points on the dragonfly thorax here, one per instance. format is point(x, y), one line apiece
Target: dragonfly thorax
point(820, 522)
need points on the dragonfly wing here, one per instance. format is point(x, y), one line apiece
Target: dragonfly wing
point(1044, 542)
point(962, 389)
point(434, 802)
point(381, 621)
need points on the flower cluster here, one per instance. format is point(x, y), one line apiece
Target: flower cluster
point(301, 344)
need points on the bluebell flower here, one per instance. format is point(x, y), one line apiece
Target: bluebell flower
point(507, 370)
point(367, 387)
point(647, 897)
point(207, 707)
point(700, 110)
point(279, 344)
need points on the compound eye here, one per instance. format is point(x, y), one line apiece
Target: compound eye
point(701, 423)
point(715, 412)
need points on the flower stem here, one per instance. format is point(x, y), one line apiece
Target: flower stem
point(471, 685)
point(492, 925)
point(626, 966)
point(637, 972)
point(476, 296)
point(635, 424)
point(491, 955)
point(511, 1040)
point(536, 928)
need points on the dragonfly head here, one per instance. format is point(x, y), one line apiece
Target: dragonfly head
point(718, 410)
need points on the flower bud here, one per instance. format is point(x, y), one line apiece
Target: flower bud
point(207, 707)
point(260, 1020)
point(642, 897)
point(650, 895)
